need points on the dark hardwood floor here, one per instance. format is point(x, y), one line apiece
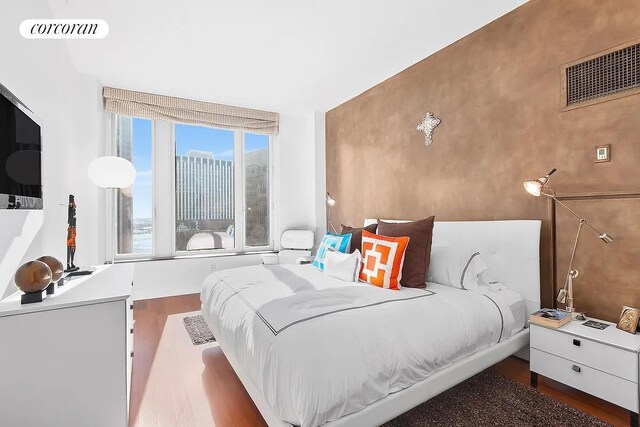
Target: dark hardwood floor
point(175, 383)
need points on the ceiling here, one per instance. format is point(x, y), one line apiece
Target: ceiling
point(282, 55)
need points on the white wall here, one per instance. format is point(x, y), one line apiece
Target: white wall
point(155, 279)
point(320, 176)
point(295, 192)
point(89, 126)
point(40, 73)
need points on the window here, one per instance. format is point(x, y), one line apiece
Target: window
point(256, 181)
point(198, 190)
point(205, 196)
point(135, 205)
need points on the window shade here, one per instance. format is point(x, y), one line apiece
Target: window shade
point(152, 106)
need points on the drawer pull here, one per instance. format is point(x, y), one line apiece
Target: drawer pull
point(576, 368)
point(576, 342)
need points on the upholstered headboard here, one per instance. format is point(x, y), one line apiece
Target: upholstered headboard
point(511, 249)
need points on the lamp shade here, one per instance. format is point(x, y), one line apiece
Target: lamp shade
point(331, 202)
point(112, 172)
point(533, 187)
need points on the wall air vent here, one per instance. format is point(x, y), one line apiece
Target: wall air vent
point(607, 75)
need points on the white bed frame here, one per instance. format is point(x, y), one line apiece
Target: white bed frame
point(511, 249)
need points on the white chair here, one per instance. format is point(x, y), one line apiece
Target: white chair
point(212, 240)
point(296, 248)
point(201, 241)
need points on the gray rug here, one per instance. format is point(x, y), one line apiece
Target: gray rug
point(198, 330)
point(489, 399)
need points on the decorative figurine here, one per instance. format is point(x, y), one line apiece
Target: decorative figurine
point(427, 126)
point(628, 321)
point(71, 235)
point(56, 273)
point(33, 278)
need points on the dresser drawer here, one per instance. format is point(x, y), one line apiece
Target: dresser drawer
point(612, 360)
point(600, 384)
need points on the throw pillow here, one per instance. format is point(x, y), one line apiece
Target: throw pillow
point(356, 235)
point(339, 242)
point(418, 254)
point(382, 259)
point(345, 267)
point(456, 267)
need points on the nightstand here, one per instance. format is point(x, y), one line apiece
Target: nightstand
point(603, 363)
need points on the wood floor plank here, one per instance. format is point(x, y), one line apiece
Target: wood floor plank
point(175, 383)
point(145, 346)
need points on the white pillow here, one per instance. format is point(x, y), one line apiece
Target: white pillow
point(342, 266)
point(488, 283)
point(456, 267)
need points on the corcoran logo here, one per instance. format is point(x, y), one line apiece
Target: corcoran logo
point(64, 29)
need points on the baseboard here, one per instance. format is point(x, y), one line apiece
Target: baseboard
point(166, 291)
point(182, 276)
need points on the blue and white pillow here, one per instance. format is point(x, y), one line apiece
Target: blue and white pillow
point(337, 242)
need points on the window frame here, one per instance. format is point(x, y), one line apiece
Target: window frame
point(271, 245)
point(111, 197)
point(163, 246)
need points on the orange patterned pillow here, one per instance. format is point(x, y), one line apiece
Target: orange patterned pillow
point(382, 259)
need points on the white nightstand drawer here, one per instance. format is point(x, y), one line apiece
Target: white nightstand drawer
point(600, 384)
point(606, 358)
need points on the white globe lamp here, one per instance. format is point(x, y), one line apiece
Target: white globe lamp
point(112, 173)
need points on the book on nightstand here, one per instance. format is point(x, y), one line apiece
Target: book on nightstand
point(551, 318)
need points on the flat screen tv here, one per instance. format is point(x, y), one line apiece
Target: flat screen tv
point(20, 155)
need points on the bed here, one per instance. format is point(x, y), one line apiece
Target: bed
point(312, 350)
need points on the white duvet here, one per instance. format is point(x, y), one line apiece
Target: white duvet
point(319, 348)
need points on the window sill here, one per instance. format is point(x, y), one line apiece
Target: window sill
point(194, 256)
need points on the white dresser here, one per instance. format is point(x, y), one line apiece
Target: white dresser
point(67, 360)
point(603, 363)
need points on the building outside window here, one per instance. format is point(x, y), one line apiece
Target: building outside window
point(205, 196)
point(257, 217)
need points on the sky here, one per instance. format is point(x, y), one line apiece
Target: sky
point(217, 141)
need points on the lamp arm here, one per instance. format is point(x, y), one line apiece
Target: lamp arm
point(573, 252)
point(554, 198)
point(571, 274)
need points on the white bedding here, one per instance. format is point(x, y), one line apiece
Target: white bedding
point(319, 348)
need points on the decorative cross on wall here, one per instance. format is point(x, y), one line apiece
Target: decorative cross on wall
point(428, 125)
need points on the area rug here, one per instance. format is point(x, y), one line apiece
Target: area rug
point(198, 330)
point(489, 399)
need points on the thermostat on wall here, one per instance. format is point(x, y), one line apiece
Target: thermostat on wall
point(603, 153)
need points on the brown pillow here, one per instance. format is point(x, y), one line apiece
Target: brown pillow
point(418, 254)
point(356, 235)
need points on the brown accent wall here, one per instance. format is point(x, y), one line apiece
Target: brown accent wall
point(497, 92)
point(608, 274)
